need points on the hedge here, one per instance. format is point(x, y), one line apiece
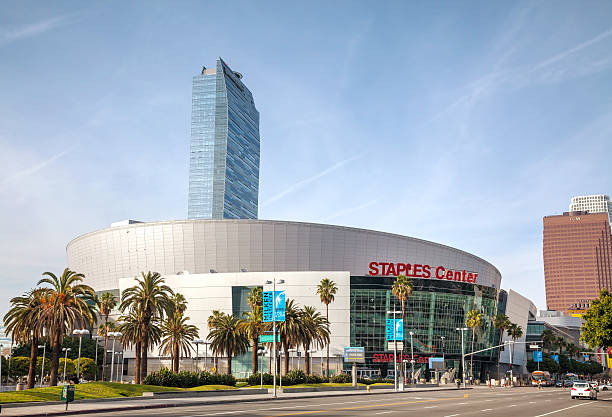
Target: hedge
point(186, 379)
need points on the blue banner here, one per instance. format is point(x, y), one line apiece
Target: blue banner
point(555, 358)
point(537, 356)
point(399, 330)
point(279, 300)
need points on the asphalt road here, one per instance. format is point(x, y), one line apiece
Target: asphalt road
point(516, 402)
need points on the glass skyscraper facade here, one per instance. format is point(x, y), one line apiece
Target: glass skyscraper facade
point(224, 147)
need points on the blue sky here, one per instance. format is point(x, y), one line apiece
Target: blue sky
point(463, 123)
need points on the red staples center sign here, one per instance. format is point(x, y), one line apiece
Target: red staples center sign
point(421, 271)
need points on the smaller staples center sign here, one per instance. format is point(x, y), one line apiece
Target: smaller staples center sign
point(421, 271)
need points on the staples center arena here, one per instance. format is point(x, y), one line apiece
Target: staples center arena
point(215, 263)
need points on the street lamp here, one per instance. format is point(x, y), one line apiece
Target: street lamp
point(113, 335)
point(274, 282)
point(395, 350)
point(412, 358)
point(96, 338)
point(1, 367)
point(42, 368)
point(198, 343)
point(462, 329)
point(80, 333)
point(261, 351)
point(443, 359)
point(65, 362)
point(117, 373)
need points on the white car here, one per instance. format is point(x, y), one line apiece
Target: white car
point(583, 390)
point(606, 387)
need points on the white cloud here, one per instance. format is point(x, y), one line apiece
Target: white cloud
point(9, 35)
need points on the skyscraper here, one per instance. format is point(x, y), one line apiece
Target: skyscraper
point(224, 148)
point(577, 253)
point(599, 203)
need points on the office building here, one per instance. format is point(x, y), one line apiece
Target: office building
point(224, 148)
point(599, 203)
point(577, 253)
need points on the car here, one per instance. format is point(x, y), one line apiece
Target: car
point(606, 387)
point(559, 383)
point(568, 383)
point(583, 390)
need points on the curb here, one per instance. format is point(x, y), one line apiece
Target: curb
point(214, 402)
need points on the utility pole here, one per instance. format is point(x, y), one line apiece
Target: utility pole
point(462, 329)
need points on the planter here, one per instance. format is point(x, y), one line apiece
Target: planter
point(20, 386)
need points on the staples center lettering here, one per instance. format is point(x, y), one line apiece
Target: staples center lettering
point(421, 271)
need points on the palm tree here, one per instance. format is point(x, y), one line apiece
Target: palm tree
point(474, 320)
point(213, 321)
point(153, 300)
point(289, 330)
point(226, 338)
point(22, 322)
point(314, 330)
point(255, 297)
point(548, 338)
point(252, 325)
point(106, 303)
point(515, 332)
point(500, 322)
point(327, 290)
point(177, 337)
point(402, 289)
point(131, 335)
point(68, 304)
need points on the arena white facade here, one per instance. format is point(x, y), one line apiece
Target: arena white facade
point(213, 262)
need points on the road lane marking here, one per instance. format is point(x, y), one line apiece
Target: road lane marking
point(513, 405)
point(431, 406)
point(384, 412)
point(452, 415)
point(563, 409)
point(487, 409)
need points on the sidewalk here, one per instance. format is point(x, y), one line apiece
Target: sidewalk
point(139, 403)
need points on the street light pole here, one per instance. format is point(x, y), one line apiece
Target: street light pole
point(65, 362)
point(395, 350)
point(198, 343)
point(462, 329)
point(274, 328)
point(80, 333)
point(412, 358)
point(42, 368)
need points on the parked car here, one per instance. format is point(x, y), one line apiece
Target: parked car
point(568, 383)
point(559, 383)
point(583, 390)
point(606, 387)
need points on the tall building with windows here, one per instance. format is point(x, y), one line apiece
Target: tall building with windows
point(599, 203)
point(577, 251)
point(224, 148)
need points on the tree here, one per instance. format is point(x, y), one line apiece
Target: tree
point(314, 329)
point(252, 326)
point(106, 303)
point(402, 289)
point(515, 332)
point(255, 297)
point(548, 338)
point(226, 338)
point(289, 331)
point(212, 322)
point(596, 329)
point(68, 304)
point(327, 290)
point(22, 321)
point(500, 322)
point(177, 334)
point(153, 301)
point(473, 320)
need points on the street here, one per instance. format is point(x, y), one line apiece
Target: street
point(476, 402)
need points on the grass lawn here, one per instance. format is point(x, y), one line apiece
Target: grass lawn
point(94, 390)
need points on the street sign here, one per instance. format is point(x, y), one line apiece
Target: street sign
point(399, 329)
point(354, 354)
point(534, 346)
point(555, 358)
point(279, 300)
point(436, 363)
point(399, 345)
point(268, 338)
point(537, 356)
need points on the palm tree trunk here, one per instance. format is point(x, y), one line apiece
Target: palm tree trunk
point(105, 347)
point(286, 358)
point(229, 363)
point(176, 358)
point(307, 358)
point(216, 364)
point(143, 359)
point(471, 354)
point(138, 352)
point(501, 334)
point(55, 358)
point(327, 317)
point(31, 370)
point(254, 355)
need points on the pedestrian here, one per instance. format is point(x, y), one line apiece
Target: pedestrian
point(539, 384)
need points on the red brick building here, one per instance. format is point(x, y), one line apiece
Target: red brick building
point(577, 259)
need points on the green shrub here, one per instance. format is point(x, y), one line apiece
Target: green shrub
point(297, 376)
point(255, 379)
point(206, 378)
point(341, 379)
point(316, 379)
point(186, 379)
point(88, 368)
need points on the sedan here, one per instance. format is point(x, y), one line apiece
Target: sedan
point(583, 390)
